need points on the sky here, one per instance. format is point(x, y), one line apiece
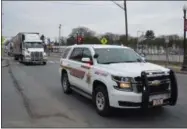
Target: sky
point(163, 17)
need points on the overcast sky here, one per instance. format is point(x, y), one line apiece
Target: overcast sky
point(164, 17)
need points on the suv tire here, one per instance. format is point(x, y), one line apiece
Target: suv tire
point(65, 83)
point(101, 101)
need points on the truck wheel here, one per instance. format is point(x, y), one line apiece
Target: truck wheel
point(65, 83)
point(102, 101)
point(15, 58)
point(21, 59)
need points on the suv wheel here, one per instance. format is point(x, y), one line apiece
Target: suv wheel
point(65, 83)
point(102, 101)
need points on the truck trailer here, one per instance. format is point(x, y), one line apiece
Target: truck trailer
point(29, 48)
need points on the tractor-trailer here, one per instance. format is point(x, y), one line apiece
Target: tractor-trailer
point(28, 48)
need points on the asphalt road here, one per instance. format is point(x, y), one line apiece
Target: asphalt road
point(32, 97)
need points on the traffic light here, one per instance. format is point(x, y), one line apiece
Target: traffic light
point(80, 40)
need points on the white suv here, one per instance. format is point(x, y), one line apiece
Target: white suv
point(116, 76)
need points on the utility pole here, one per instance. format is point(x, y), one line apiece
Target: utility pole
point(125, 12)
point(184, 65)
point(126, 23)
point(59, 36)
point(167, 52)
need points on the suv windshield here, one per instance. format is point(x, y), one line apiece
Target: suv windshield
point(33, 45)
point(116, 55)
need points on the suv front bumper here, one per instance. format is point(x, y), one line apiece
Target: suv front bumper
point(119, 99)
point(122, 99)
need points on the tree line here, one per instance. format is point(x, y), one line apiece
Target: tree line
point(148, 39)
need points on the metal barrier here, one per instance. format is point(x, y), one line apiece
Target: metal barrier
point(146, 92)
point(174, 88)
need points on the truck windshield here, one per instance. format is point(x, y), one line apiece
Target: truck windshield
point(117, 55)
point(33, 45)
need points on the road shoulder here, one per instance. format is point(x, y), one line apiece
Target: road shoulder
point(14, 113)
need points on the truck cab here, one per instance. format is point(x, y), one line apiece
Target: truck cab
point(28, 48)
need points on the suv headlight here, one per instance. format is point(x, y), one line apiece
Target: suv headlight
point(123, 82)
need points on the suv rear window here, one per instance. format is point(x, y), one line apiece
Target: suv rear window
point(76, 54)
point(65, 53)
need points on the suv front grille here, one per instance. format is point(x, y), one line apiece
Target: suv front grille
point(162, 87)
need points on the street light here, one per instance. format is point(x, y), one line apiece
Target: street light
point(184, 65)
point(59, 36)
point(126, 21)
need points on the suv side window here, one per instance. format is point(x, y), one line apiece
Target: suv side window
point(87, 53)
point(64, 55)
point(76, 55)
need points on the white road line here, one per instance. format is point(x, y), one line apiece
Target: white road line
point(50, 61)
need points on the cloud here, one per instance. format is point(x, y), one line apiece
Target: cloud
point(164, 17)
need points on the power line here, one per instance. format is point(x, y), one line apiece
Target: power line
point(125, 13)
point(84, 4)
point(118, 5)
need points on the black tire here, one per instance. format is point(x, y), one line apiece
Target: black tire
point(44, 63)
point(16, 58)
point(21, 59)
point(105, 111)
point(64, 79)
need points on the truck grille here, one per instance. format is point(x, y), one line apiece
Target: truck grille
point(36, 56)
point(163, 86)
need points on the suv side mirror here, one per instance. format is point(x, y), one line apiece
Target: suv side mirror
point(86, 60)
point(96, 55)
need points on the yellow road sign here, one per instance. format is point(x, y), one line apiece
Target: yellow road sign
point(104, 41)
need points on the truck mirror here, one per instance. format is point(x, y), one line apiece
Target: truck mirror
point(23, 37)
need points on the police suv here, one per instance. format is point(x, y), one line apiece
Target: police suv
point(116, 76)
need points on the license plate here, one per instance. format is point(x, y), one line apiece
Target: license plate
point(157, 97)
point(157, 102)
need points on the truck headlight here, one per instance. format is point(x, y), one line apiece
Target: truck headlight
point(44, 54)
point(27, 54)
point(123, 82)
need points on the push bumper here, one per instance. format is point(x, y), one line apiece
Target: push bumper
point(119, 99)
point(122, 99)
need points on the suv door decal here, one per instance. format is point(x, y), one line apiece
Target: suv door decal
point(86, 67)
point(77, 73)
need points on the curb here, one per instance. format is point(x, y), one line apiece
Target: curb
point(180, 72)
point(4, 62)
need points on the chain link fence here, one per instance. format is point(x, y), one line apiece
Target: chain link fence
point(167, 55)
point(174, 55)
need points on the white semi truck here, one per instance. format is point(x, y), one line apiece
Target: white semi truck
point(28, 48)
